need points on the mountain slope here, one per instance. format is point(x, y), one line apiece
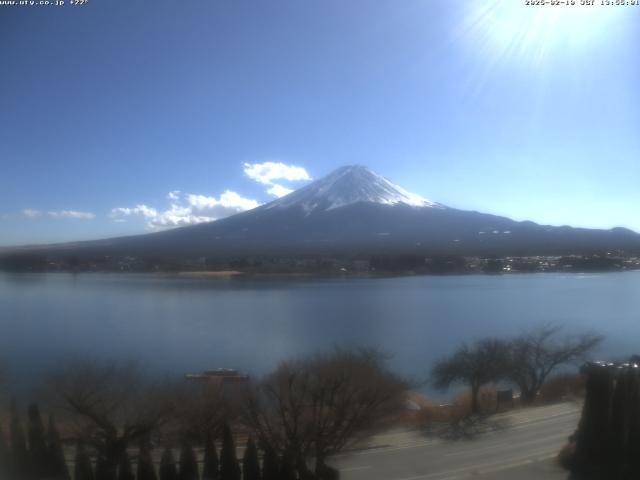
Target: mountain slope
point(354, 210)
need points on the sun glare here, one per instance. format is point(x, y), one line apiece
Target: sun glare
point(529, 33)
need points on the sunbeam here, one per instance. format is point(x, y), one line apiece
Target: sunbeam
point(528, 34)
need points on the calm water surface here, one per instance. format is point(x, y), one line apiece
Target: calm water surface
point(179, 325)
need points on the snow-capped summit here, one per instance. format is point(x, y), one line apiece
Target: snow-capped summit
point(349, 185)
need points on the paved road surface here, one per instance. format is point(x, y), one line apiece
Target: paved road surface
point(525, 450)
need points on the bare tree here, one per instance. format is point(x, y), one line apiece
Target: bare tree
point(315, 407)
point(536, 354)
point(201, 410)
point(486, 361)
point(112, 406)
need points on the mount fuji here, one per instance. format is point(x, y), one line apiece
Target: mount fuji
point(356, 211)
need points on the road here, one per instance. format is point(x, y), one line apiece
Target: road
point(524, 450)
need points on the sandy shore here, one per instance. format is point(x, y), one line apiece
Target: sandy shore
point(211, 274)
point(235, 273)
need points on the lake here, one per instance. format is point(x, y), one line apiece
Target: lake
point(177, 325)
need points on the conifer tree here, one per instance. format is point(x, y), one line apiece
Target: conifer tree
point(83, 468)
point(4, 456)
point(58, 469)
point(229, 467)
point(39, 458)
point(168, 470)
point(211, 466)
point(125, 472)
point(188, 463)
point(250, 462)
point(287, 469)
point(270, 467)
point(146, 470)
point(103, 469)
point(19, 454)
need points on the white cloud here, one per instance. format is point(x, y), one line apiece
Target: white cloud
point(72, 214)
point(197, 209)
point(189, 209)
point(228, 199)
point(267, 172)
point(178, 216)
point(279, 191)
point(31, 213)
point(59, 214)
point(141, 210)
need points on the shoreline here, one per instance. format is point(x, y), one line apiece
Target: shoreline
point(207, 274)
point(238, 274)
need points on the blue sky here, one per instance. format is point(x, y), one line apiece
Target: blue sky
point(107, 108)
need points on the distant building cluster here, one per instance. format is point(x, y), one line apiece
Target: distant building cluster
point(330, 265)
